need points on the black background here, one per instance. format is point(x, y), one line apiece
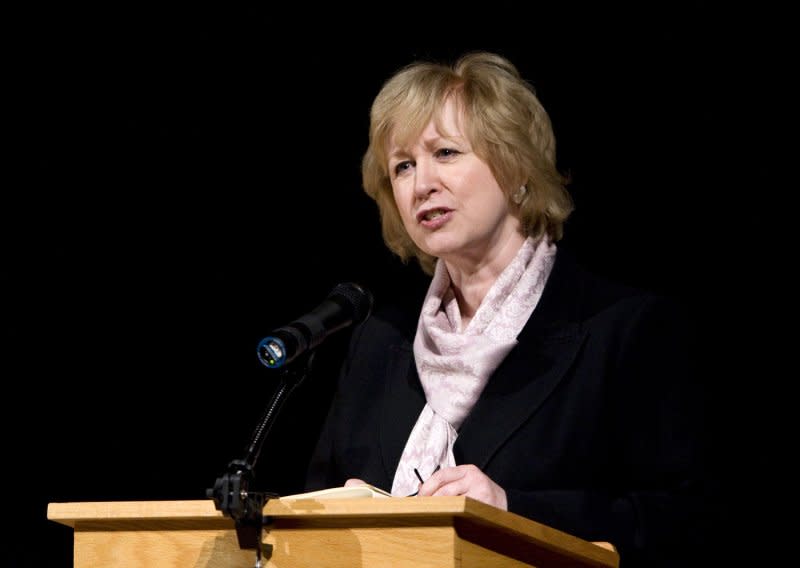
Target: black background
point(182, 184)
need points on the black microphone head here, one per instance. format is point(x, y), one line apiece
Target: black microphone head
point(357, 297)
point(347, 304)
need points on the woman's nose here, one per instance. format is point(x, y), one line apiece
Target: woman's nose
point(426, 178)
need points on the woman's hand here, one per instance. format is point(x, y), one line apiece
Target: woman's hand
point(354, 481)
point(464, 480)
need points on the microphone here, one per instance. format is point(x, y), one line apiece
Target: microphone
point(347, 304)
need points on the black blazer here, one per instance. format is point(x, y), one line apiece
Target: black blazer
point(590, 424)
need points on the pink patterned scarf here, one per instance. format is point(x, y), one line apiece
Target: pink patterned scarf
point(454, 365)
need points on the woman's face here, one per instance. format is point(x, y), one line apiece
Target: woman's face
point(449, 200)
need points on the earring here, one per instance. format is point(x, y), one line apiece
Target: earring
point(519, 195)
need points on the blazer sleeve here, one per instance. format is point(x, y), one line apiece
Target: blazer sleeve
point(652, 506)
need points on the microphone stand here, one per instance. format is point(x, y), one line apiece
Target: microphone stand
point(232, 492)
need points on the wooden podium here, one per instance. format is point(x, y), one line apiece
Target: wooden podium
point(337, 533)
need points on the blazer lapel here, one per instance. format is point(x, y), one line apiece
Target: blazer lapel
point(406, 399)
point(516, 391)
point(546, 349)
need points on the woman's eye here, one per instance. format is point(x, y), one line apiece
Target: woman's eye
point(446, 152)
point(401, 167)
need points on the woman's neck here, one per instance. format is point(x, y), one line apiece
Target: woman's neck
point(472, 281)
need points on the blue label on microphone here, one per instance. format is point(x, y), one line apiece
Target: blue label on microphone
point(272, 352)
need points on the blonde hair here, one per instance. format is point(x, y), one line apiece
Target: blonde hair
point(505, 123)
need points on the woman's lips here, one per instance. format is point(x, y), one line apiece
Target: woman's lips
point(435, 218)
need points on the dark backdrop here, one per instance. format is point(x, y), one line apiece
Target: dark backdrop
point(184, 187)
